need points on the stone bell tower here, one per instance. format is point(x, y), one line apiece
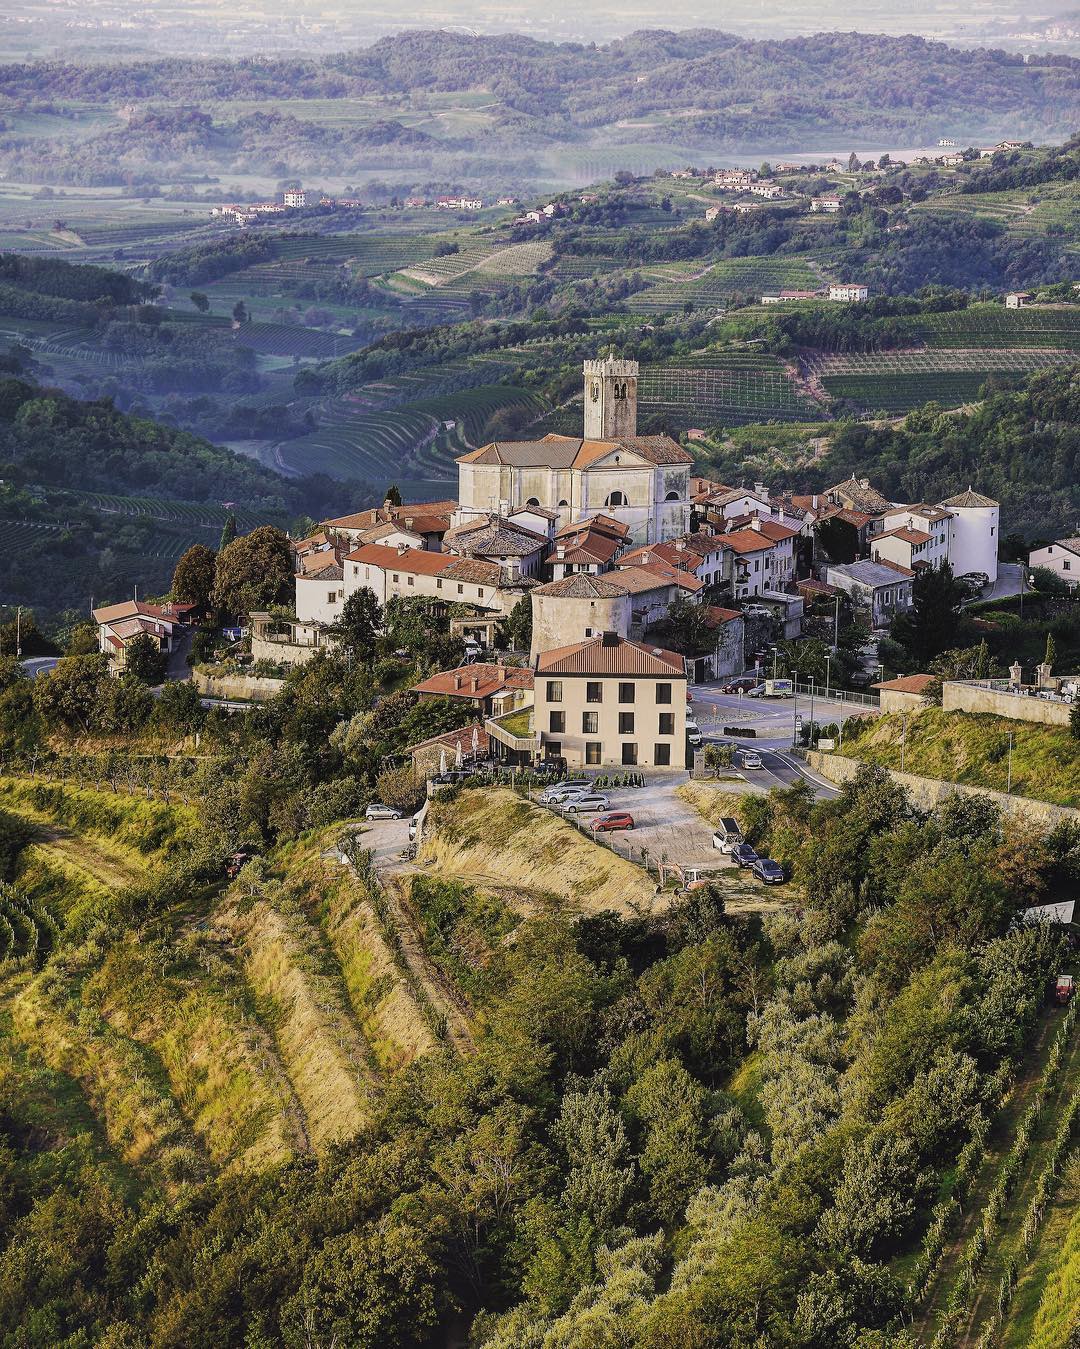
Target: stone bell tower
point(610, 399)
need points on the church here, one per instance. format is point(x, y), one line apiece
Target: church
point(642, 481)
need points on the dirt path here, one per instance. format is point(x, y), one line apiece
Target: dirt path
point(445, 997)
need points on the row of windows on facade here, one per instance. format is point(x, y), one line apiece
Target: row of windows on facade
point(594, 753)
point(411, 580)
point(594, 691)
point(612, 499)
point(590, 723)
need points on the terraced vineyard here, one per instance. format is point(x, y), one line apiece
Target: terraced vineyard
point(291, 339)
point(992, 325)
point(1023, 211)
point(713, 287)
point(358, 440)
point(170, 512)
point(899, 381)
point(725, 387)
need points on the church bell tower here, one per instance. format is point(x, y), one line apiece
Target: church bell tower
point(610, 399)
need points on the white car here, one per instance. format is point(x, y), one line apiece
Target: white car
point(586, 804)
point(693, 735)
point(748, 758)
point(377, 811)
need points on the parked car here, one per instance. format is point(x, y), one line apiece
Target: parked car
point(556, 796)
point(728, 835)
point(414, 827)
point(744, 855)
point(693, 735)
point(765, 869)
point(748, 758)
point(613, 819)
point(758, 691)
point(977, 580)
point(1064, 989)
point(586, 804)
point(377, 811)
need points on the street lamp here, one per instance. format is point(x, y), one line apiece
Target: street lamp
point(811, 711)
point(828, 663)
point(836, 625)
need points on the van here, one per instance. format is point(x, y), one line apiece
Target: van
point(748, 758)
point(727, 834)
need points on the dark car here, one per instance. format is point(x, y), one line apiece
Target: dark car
point(613, 819)
point(765, 869)
point(744, 855)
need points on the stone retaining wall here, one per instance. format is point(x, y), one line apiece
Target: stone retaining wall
point(244, 688)
point(956, 697)
point(928, 792)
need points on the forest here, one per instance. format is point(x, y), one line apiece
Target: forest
point(672, 1129)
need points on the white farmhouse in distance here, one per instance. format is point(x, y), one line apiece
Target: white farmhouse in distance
point(849, 292)
point(295, 197)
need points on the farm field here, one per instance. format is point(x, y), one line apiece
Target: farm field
point(730, 387)
point(1023, 211)
point(714, 286)
point(899, 381)
point(355, 440)
point(992, 325)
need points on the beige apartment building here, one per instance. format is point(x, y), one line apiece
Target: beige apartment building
point(608, 701)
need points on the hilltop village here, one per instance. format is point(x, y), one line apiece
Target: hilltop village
point(625, 570)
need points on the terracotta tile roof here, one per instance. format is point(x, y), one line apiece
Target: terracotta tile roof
point(915, 683)
point(451, 739)
point(333, 571)
point(662, 574)
point(811, 587)
point(715, 615)
point(472, 569)
point(585, 548)
point(869, 572)
point(968, 498)
point(905, 534)
point(555, 451)
point(611, 655)
point(748, 541)
point(494, 537)
point(489, 680)
point(126, 628)
point(317, 564)
point(925, 512)
point(602, 525)
point(429, 511)
point(861, 495)
point(677, 558)
point(416, 560)
point(378, 532)
point(133, 609)
point(584, 586)
point(542, 511)
point(859, 519)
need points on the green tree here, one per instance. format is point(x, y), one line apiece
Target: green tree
point(69, 695)
point(254, 571)
point(124, 704)
point(228, 531)
point(1050, 655)
point(200, 301)
point(519, 624)
point(82, 640)
point(144, 659)
point(393, 494)
point(240, 312)
point(930, 626)
point(178, 708)
point(193, 576)
point(360, 623)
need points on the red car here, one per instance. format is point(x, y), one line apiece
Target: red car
point(613, 819)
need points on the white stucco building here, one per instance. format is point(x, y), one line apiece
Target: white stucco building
point(1062, 558)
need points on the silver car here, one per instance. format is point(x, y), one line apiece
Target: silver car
point(586, 804)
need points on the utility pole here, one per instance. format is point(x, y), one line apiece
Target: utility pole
point(18, 633)
point(836, 625)
point(1008, 781)
point(828, 663)
point(795, 713)
point(811, 711)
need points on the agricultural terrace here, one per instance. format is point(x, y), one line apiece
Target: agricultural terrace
point(899, 381)
point(678, 284)
point(727, 387)
point(992, 325)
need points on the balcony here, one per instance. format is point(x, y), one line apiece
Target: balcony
point(514, 730)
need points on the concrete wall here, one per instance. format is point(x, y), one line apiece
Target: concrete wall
point(896, 700)
point(928, 792)
point(282, 653)
point(957, 697)
point(246, 688)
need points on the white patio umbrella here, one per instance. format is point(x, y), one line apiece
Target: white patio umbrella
point(475, 740)
point(459, 757)
point(442, 761)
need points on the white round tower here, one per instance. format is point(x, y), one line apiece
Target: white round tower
point(974, 534)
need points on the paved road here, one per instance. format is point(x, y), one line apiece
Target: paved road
point(1009, 579)
point(665, 825)
point(36, 665)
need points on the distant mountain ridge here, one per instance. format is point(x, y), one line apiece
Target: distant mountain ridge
point(701, 84)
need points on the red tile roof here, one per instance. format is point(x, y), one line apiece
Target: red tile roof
point(490, 679)
point(416, 560)
point(915, 683)
point(611, 655)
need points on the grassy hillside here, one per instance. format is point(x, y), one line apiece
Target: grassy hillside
point(974, 749)
point(495, 837)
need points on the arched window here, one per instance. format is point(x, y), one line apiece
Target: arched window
point(564, 502)
point(532, 501)
point(673, 496)
point(615, 499)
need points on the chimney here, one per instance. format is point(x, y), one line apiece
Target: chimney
point(610, 639)
point(680, 545)
point(864, 482)
point(501, 672)
point(402, 549)
point(761, 489)
point(814, 501)
point(755, 523)
point(457, 679)
point(560, 551)
point(409, 521)
point(474, 684)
